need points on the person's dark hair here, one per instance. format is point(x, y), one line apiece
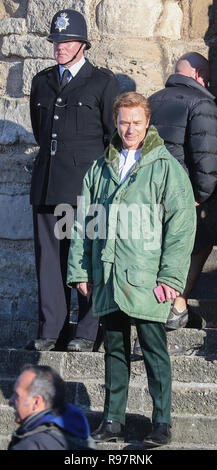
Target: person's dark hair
point(49, 385)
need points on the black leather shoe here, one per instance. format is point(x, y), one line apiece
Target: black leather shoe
point(41, 344)
point(109, 431)
point(159, 436)
point(81, 345)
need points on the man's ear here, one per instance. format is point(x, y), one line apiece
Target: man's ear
point(200, 77)
point(38, 402)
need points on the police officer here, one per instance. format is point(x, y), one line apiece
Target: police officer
point(71, 113)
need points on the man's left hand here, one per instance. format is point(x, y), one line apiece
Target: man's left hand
point(170, 292)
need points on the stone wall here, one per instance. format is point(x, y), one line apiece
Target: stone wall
point(140, 41)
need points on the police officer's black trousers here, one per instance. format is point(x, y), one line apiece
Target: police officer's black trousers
point(54, 296)
point(152, 338)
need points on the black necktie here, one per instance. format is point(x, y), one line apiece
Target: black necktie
point(64, 80)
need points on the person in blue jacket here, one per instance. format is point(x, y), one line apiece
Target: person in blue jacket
point(46, 421)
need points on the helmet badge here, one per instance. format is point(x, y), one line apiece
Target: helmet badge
point(62, 22)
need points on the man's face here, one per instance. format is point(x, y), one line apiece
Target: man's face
point(132, 125)
point(23, 405)
point(64, 51)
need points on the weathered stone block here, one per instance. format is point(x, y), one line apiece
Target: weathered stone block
point(136, 19)
point(186, 18)
point(200, 17)
point(16, 217)
point(18, 281)
point(16, 168)
point(41, 12)
point(30, 68)
point(26, 46)
point(15, 125)
point(2, 10)
point(16, 7)
point(12, 26)
point(137, 63)
point(11, 78)
point(171, 21)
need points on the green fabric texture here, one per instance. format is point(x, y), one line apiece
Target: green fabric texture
point(140, 233)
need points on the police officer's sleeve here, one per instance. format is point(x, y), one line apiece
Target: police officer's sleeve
point(33, 112)
point(110, 93)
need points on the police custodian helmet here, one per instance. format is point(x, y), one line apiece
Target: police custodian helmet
point(68, 25)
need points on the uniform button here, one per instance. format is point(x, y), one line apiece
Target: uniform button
point(54, 136)
point(59, 100)
point(38, 104)
point(79, 103)
point(56, 117)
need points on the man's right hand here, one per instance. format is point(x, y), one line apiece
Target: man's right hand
point(85, 288)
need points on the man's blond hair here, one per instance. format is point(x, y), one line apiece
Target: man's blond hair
point(131, 99)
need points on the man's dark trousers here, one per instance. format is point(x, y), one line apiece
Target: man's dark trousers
point(54, 296)
point(152, 337)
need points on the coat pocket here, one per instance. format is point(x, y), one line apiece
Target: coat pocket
point(136, 276)
point(82, 110)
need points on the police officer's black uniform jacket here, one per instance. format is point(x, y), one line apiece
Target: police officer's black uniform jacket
point(72, 128)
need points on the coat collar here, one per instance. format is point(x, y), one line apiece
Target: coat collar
point(178, 79)
point(151, 141)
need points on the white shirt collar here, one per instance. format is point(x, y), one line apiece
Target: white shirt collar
point(74, 69)
point(127, 159)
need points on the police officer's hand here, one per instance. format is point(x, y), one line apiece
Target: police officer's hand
point(85, 288)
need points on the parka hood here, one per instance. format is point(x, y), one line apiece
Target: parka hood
point(71, 420)
point(151, 141)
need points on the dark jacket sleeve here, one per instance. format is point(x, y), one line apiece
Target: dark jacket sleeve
point(110, 93)
point(34, 111)
point(202, 149)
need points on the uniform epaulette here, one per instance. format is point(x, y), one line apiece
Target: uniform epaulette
point(42, 72)
point(104, 70)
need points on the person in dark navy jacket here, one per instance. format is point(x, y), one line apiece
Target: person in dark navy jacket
point(71, 113)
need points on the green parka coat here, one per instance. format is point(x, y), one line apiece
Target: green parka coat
point(135, 234)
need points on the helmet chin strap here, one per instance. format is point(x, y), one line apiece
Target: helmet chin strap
point(74, 57)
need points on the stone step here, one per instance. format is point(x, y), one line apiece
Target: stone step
point(139, 446)
point(88, 394)
point(200, 356)
point(89, 365)
point(187, 429)
point(17, 332)
point(132, 446)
